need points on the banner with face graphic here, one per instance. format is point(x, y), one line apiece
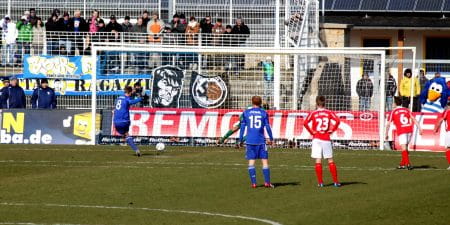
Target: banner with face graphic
point(207, 91)
point(167, 87)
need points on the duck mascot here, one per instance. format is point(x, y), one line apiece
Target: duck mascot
point(435, 96)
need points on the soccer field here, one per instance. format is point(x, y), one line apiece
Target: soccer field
point(209, 185)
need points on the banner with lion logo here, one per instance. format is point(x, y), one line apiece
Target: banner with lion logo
point(207, 91)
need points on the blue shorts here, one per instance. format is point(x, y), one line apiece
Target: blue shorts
point(256, 152)
point(122, 127)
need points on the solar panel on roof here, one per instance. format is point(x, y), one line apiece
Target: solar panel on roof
point(374, 5)
point(429, 5)
point(401, 5)
point(347, 4)
point(328, 4)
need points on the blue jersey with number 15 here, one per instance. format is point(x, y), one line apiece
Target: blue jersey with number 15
point(255, 120)
point(122, 108)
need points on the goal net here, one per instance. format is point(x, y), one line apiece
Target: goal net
point(193, 95)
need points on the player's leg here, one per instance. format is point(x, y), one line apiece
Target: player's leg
point(316, 154)
point(131, 143)
point(251, 156)
point(404, 141)
point(447, 153)
point(264, 155)
point(327, 149)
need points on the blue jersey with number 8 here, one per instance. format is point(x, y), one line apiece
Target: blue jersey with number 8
point(122, 108)
point(255, 121)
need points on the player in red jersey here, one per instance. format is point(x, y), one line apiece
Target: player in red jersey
point(321, 123)
point(446, 117)
point(404, 123)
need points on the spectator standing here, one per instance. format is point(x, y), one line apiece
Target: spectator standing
point(65, 26)
point(154, 28)
point(242, 33)
point(14, 96)
point(5, 82)
point(178, 28)
point(38, 37)
point(405, 88)
point(79, 27)
point(139, 29)
point(364, 88)
point(126, 25)
point(217, 35)
point(52, 38)
point(422, 79)
point(113, 57)
point(146, 17)
point(168, 39)
point(24, 38)
point(9, 36)
point(43, 97)
point(113, 25)
point(206, 27)
point(192, 30)
point(391, 89)
point(93, 22)
point(33, 18)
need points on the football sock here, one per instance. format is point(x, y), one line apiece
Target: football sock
point(333, 171)
point(405, 158)
point(266, 172)
point(319, 173)
point(252, 174)
point(447, 155)
point(131, 143)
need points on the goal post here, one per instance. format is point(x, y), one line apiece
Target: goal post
point(232, 75)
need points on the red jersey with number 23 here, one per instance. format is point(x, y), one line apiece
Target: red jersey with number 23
point(321, 121)
point(401, 117)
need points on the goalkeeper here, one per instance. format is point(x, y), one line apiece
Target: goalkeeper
point(236, 128)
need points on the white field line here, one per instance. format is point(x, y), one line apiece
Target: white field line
point(146, 209)
point(374, 153)
point(176, 165)
point(27, 223)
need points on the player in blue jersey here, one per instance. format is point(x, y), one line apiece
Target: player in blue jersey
point(122, 116)
point(255, 120)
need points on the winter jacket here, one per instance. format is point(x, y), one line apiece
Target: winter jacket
point(217, 35)
point(154, 29)
point(1, 95)
point(364, 88)
point(80, 24)
point(179, 27)
point(242, 33)
point(391, 86)
point(423, 81)
point(127, 27)
point(13, 98)
point(38, 35)
point(113, 26)
point(192, 30)
point(9, 32)
point(43, 98)
point(93, 24)
point(25, 31)
point(405, 87)
point(206, 27)
point(139, 30)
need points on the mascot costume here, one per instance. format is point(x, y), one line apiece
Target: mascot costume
point(435, 96)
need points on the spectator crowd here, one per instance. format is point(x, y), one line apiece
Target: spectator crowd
point(63, 33)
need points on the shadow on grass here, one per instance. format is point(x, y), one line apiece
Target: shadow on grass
point(281, 184)
point(424, 167)
point(347, 183)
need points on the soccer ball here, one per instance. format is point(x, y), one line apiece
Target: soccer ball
point(160, 146)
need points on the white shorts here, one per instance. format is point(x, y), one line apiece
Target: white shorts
point(321, 149)
point(404, 139)
point(447, 139)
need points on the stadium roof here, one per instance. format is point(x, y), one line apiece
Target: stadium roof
point(408, 6)
point(385, 22)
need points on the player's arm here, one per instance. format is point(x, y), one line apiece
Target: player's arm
point(306, 125)
point(268, 129)
point(388, 126)
point(242, 129)
point(416, 123)
point(439, 121)
point(337, 121)
point(134, 101)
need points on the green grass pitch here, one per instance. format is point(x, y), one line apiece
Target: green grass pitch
point(209, 185)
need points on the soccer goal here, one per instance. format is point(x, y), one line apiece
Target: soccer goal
point(198, 92)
